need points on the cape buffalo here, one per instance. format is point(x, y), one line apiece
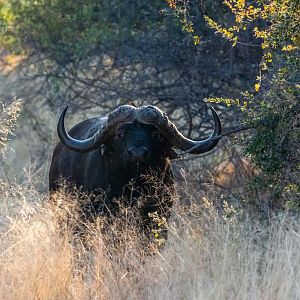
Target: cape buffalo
point(117, 154)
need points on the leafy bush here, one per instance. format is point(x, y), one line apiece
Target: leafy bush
point(68, 30)
point(273, 110)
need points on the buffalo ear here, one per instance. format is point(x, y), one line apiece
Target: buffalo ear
point(168, 150)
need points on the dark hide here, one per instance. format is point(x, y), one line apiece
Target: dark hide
point(134, 162)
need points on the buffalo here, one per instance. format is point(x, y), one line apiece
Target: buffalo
point(124, 155)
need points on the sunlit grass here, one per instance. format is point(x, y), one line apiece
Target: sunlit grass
point(9, 113)
point(206, 256)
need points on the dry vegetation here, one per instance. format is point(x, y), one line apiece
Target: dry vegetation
point(214, 251)
point(9, 113)
point(207, 255)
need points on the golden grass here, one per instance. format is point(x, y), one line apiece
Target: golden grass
point(9, 113)
point(206, 256)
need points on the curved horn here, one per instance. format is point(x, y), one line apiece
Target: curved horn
point(152, 114)
point(81, 146)
point(147, 114)
point(106, 128)
point(197, 147)
point(209, 143)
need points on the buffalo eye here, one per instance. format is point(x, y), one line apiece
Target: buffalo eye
point(120, 133)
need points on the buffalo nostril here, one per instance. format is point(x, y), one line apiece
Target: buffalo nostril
point(138, 153)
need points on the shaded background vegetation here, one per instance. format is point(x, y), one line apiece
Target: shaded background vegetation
point(241, 57)
point(96, 55)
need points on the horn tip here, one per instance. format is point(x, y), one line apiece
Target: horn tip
point(64, 111)
point(212, 109)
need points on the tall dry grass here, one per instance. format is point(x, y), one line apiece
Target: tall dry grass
point(207, 256)
point(9, 113)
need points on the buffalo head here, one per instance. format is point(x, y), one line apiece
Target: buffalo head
point(138, 132)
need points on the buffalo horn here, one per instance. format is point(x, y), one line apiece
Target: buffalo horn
point(145, 114)
point(192, 146)
point(107, 126)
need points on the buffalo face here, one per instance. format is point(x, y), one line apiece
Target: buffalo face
point(139, 145)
